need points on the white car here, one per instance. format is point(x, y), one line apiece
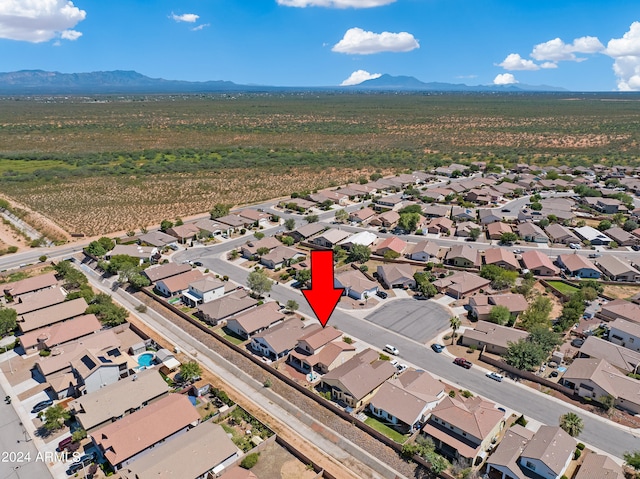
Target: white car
point(575, 246)
point(401, 368)
point(495, 376)
point(391, 350)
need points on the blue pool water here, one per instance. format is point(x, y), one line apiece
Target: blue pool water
point(193, 400)
point(145, 359)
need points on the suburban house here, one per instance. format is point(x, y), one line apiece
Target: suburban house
point(387, 219)
point(257, 217)
point(622, 237)
point(501, 257)
point(440, 225)
point(330, 238)
point(436, 211)
point(277, 341)
point(256, 320)
point(593, 378)
point(463, 230)
point(393, 202)
point(115, 401)
point(233, 222)
point(51, 315)
point(396, 275)
point(143, 253)
point(497, 229)
point(157, 239)
point(560, 234)
point(184, 233)
point(458, 213)
point(208, 448)
point(405, 402)
point(392, 243)
point(463, 429)
point(164, 271)
point(307, 231)
point(209, 227)
point(178, 284)
point(362, 216)
point(598, 465)
point(225, 307)
point(488, 216)
point(280, 256)
point(300, 203)
point(203, 290)
point(463, 256)
point(123, 441)
point(93, 369)
point(578, 266)
point(39, 300)
point(321, 350)
point(461, 284)
point(531, 232)
point(29, 285)
point(250, 249)
point(503, 463)
point(620, 308)
point(539, 264)
point(326, 195)
point(609, 206)
point(625, 333)
point(592, 235)
point(626, 360)
point(356, 285)
point(60, 333)
point(493, 337)
point(482, 305)
point(617, 270)
point(358, 379)
point(364, 238)
point(424, 251)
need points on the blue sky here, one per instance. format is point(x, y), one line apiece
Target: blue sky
point(589, 45)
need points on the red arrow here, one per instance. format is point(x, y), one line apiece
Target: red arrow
point(322, 297)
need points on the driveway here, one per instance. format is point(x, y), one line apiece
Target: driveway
point(415, 319)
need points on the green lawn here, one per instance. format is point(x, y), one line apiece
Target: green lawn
point(384, 429)
point(562, 287)
point(230, 336)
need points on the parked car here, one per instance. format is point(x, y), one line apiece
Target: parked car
point(635, 247)
point(595, 255)
point(518, 251)
point(77, 466)
point(495, 376)
point(401, 368)
point(381, 294)
point(41, 406)
point(438, 348)
point(506, 210)
point(462, 362)
point(575, 246)
point(198, 263)
point(65, 443)
point(391, 349)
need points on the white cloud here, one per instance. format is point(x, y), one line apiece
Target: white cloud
point(200, 27)
point(360, 42)
point(626, 54)
point(359, 76)
point(504, 79)
point(39, 20)
point(556, 50)
point(549, 65)
point(515, 62)
point(335, 3)
point(185, 17)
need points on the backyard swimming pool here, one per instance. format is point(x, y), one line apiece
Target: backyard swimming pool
point(146, 359)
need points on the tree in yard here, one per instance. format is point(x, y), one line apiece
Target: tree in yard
point(589, 294)
point(290, 224)
point(613, 245)
point(632, 459)
point(303, 276)
point(454, 322)
point(536, 206)
point(424, 286)
point(190, 371)
point(604, 225)
point(607, 402)
point(391, 254)
point(508, 238)
point(54, 417)
point(545, 338)
point(292, 305)
point(359, 253)
point(139, 281)
point(259, 282)
point(524, 354)
point(474, 233)
point(258, 235)
point(500, 315)
point(262, 251)
point(8, 321)
point(409, 221)
point(178, 222)
point(311, 218)
point(165, 225)
point(106, 311)
point(571, 423)
point(341, 215)
point(630, 225)
point(219, 210)
point(95, 249)
point(287, 240)
point(537, 313)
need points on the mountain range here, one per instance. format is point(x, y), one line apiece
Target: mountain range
point(39, 82)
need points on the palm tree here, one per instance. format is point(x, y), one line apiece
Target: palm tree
point(454, 322)
point(572, 424)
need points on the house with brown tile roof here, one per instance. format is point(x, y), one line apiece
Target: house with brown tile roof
point(313, 341)
point(492, 336)
point(225, 307)
point(362, 216)
point(164, 271)
point(330, 238)
point(462, 428)
point(30, 285)
point(396, 275)
point(27, 303)
point(620, 308)
point(277, 341)
point(549, 452)
point(501, 257)
point(436, 211)
point(598, 466)
point(184, 233)
point(157, 239)
point(204, 290)
point(578, 266)
point(497, 229)
point(392, 243)
point(387, 219)
point(307, 231)
point(461, 284)
point(560, 234)
point(440, 225)
point(504, 460)
point(539, 264)
point(616, 354)
point(617, 270)
point(280, 256)
point(178, 284)
point(423, 251)
point(324, 359)
point(254, 215)
point(482, 305)
point(256, 320)
point(463, 230)
point(123, 441)
point(356, 285)
point(463, 256)
point(209, 227)
point(626, 334)
point(357, 380)
point(251, 247)
point(404, 402)
point(532, 233)
point(52, 314)
point(60, 333)
point(622, 237)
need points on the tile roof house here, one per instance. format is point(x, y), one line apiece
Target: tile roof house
point(497, 229)
point(123, 441)
point(163, 271)
point(250, 248)
point(386, 220)
point(560, 234)
point(277, 341)
point(321, 350)
point(488, 216)
point(396, 275)
point(185, 232)
point(392, 243)
point(539, 264)
point(222, 308)
point(620, 308)
point(461, 284)
point(459, 213)
point(209, 227)
point(52, 315)
point(463, 256)
point(118, 399)
point(27, 303)
point(532, 233)
point(280, 256)
point(436, 211)
point(404, 402)
point(501, 257)
point(482, 305)
point(626, 334)
point(29, 285)
point(257, 217)
point(462, 429)
point(494, 337)
point(504, 460)
point(234, 222)
point(256, 320)
point(307, 231)
point(157, 239)
point(599, 466)
point(203, 290)
point(578, 266)
point(440, 225)
point(356, 284)
point(463, 230)
point(622, 237)
point(357, 380)
point(208, 448)
point(60, 333)
point(423, 251)
point(177, 284)
point(330, 238)
point(362, 216)
point(616, 354)
point(617, 270)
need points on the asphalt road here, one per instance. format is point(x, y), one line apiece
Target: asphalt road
point(418, 320)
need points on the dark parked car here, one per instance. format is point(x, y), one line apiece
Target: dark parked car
point(438, 348)
point(462, 362)
point(381, 294)
point(198, 263)
point(554, 374)
point(41, 406)
point(77, 466)
point(65, 443)
point(635, 247)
